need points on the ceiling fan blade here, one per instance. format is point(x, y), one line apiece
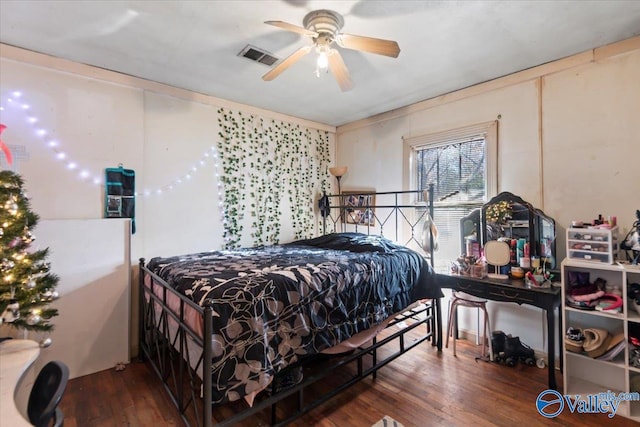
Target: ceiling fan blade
point(291, 27)
point(369, 44)
point(339, 70)
point(286, 63)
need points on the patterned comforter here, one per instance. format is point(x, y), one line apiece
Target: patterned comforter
point(276, 304)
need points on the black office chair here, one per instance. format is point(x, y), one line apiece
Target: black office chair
point(46, 394)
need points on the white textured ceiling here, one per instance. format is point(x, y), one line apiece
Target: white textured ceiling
point(445, 45)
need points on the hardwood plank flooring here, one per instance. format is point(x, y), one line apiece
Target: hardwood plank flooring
point(420, 388)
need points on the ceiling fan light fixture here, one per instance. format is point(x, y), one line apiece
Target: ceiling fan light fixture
point(323, 59)
point(322, 64)
point(323, 27)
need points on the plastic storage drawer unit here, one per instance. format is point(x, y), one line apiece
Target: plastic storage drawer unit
point(592, 244)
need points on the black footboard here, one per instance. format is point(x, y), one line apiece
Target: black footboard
point(174, 349)
point(172, 344)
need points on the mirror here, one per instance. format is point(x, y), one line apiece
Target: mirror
point(528, 231)
point(470, 234)
point(497, 254)
point(546, 238)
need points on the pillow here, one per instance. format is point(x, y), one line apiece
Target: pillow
point(353, 242)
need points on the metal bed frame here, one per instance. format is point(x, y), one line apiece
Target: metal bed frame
point(173, 354)
point(393, 215)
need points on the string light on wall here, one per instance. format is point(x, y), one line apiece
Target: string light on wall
point(209, 157)
point(15, 103)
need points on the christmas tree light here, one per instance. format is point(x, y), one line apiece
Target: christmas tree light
point(27, 287)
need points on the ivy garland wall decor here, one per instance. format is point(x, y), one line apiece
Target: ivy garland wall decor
point(264, 161)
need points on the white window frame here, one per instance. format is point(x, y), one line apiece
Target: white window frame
point(487, 130)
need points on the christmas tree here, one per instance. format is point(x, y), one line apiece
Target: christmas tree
point(27, 287)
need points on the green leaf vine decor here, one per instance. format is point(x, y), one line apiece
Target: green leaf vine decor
point(262, 161)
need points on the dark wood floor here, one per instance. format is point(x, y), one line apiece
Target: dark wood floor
point(420, 388)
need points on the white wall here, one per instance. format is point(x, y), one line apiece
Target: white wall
point(591, 141)
point(568, 142)
point(102, 119)
point(96, 124)
point(177, 134)
point(99, 124)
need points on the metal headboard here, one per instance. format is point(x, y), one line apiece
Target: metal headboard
point(377, 212)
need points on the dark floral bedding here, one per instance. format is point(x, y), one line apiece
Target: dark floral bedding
point(276, 304)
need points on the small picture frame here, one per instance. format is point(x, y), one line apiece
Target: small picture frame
point(359, 208)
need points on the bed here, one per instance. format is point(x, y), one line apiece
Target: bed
point(257, 318)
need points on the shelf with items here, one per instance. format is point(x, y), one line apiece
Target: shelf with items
point(618, 368)
point(633, 295)
point(602, 333)
point(593, 287)
point(633, 333)
point(593, 244)
point(634, 387)
point(633, 324)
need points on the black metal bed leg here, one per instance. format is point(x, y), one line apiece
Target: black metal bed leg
point(141, 311)
point(274, 418)
point(438, 323)
point(374, 354)
point(300, 399)
point(207, 410)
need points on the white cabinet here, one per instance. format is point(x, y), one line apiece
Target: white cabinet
point(633, 329)
point(583, 374)
point(92, 258)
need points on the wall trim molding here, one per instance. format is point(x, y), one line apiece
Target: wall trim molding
point(531, 74)
point(16, 54)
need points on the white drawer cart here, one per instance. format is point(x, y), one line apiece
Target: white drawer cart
point(592, 244)
point(585, 375)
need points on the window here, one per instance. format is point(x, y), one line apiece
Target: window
point(461, 164)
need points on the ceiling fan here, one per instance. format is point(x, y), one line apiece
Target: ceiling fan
point(323, 27)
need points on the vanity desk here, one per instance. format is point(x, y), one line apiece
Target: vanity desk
point(516, 291)
point(511, 224)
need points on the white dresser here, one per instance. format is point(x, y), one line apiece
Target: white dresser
point(92, 259)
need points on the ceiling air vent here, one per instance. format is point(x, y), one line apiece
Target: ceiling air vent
point(256, 54)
